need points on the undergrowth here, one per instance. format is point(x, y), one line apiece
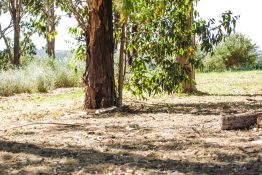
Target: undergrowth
point(41, 75)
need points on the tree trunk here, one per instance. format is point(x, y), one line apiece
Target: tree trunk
point(51, 48)
point(16, 22)
point(8, 48)
point(133, 55)
point(15, 9)
point(99, 74)
point(189, 86)
point(121, 65)
point(51, 18)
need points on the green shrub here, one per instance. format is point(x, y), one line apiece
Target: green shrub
point(213, 63)
point(236, 52)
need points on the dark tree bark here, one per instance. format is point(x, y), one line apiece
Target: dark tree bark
point(51, 48)
point(16, 43)
point(187, 86)
point(99, 75)
point(15, 8)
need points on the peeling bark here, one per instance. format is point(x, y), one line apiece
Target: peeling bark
point(99, 75)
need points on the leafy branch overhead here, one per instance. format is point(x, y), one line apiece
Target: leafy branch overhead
point(78, 9)
point(156, 38)
point(156, 33)
point(163, 32)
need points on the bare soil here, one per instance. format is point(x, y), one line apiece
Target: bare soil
point(52, 134)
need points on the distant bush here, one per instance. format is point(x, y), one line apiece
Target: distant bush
point(236, 52)
point(41, 75)
point(213, 63)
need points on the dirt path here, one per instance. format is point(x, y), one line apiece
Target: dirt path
point(167, 135)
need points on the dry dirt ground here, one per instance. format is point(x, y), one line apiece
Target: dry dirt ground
point(51, 134)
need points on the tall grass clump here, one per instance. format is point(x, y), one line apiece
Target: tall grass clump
point(41, 75)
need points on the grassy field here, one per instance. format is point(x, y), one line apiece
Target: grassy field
point(234, 83)
point(50, 133)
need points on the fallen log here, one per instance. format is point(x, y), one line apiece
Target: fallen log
point(240, 121)
point(259, 122)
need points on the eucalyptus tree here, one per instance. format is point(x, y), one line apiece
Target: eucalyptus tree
point(50, 27)
point(165, 31)
point(122, 13)
point(17, 9)
point(96, 20)
point(189, 84)
point(152, 35)
point(46, 21)
point(16, 12)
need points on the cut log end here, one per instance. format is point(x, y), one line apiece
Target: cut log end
point(241, 121)
point(259, 122)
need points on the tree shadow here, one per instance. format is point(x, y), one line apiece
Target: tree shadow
point(156, 145)
point(200, 93)
point(91, 157)
point(211, 108)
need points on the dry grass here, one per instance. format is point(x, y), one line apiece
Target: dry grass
point(51, 134)
point(231, 83)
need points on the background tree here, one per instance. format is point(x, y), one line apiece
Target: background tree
point(237, 51)
point(46, 21)
point(188, 85)
point(50, 27)
point(156, 32)
point(122, 14)
point(3, 35)
point(18, 11)
point(164, 31)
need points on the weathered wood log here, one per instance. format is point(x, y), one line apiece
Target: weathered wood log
point(259, 122)
point(240, 121)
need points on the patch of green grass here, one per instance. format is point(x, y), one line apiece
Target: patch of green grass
point(72, 95)
point(235, 83)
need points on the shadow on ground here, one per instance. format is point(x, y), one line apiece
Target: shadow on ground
point(210, 108)
point(87, 158)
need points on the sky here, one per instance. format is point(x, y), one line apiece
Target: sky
point(250, 15)
point(249, 23)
